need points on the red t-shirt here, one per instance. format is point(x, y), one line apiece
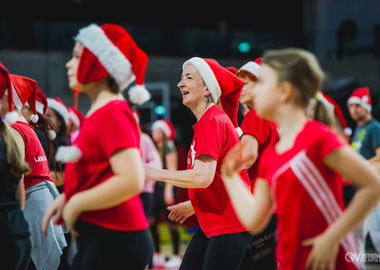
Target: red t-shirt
point(34, 155)
point(308, 194)
point(214, 135)
point(110, 128)
point(264, 131)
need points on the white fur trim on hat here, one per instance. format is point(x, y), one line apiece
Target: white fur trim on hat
point(207, 75)
point(113, 60)
point(11, 117)
point(163, 126)
point(251, 67)
point(59, 108)
point(138, 94)
point(361, 101)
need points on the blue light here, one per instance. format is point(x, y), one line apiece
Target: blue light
point(160, 110)
point(244, 47)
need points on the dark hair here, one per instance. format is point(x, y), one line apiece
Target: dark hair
point(114, 87)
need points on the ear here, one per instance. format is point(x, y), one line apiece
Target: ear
point(207, 93)
point(286, 91)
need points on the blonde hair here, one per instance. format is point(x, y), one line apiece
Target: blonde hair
point(17, 165)
point(298, 67)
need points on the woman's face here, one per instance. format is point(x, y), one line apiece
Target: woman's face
point(246, 96)
point(4, 107)
point(157, 135)
point(266, 94)
point(72, 66)
point(52, 117)
point(192, 87)
point(26, 112)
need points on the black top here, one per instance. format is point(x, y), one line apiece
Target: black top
point(12, 222)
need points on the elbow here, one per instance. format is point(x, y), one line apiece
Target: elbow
point(204, 181)
point(250, 160)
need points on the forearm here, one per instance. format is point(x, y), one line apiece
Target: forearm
point(361, 205)
point(184, 179)
point(252, 211)
point(21, 193)
point(107, 194)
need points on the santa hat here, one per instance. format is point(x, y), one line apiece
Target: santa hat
point(41, 102)
point(76, 116)
point(221, 83)
point(167, 127)
point(5, 86)
point(57, 105)
point(110, 50)
point(335, 109)
point(253, 67)
point(232, 69)
point(362, 97)
point(24, 90)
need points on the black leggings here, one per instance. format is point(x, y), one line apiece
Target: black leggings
point(226, 251)
point(99, 248)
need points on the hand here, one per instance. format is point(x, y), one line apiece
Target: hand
point(181, 211)
point(71, 213)
point(233, 161)
point(55, 210)
point(323, 253)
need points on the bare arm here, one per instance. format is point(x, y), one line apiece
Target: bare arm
point(199, 177)
point(250, 151)
point(253, 211)
point(376, 158)
point(362, 175)
point(128, 181)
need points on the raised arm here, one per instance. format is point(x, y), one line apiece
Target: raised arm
point(253, 211)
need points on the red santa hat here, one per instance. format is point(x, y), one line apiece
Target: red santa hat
point(5, 86)
point(362, 97)
point(253, 67)
point(57, 105)
point(167, 127)
point(110, 50)
point(335, 109)
point(221, 83)
point(24, 90)
point(41, 102)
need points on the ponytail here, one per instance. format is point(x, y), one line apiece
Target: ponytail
point(17, 165)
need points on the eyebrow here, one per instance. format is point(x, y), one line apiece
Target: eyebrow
point(187, 74)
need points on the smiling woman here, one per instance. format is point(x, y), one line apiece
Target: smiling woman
point(221, 241)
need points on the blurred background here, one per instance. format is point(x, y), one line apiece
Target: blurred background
point(37, 39)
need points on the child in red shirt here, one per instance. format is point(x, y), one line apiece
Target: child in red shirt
point(104, 173)
point(303, 171)
point(221, 241)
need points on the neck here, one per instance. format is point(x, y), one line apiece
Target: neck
point(100, 96)
point(291, 121)
point(201, 108)
point(364, 120)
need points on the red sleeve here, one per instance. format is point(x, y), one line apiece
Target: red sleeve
point(327, 141)
point(118, 131)
point(209, 139)
point(255, 126)
point(263, 166)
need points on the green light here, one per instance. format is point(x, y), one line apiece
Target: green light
point(160, 110)
point(244, 47)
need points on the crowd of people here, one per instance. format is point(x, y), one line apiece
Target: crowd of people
point(284, 190)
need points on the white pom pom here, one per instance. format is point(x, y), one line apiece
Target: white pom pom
point(68, 154)
point(138, 94)
point(34, 118)
point(52, 135)
point(11, 117)
point(348, 131)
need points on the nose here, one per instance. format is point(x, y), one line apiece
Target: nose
point(180, 84)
